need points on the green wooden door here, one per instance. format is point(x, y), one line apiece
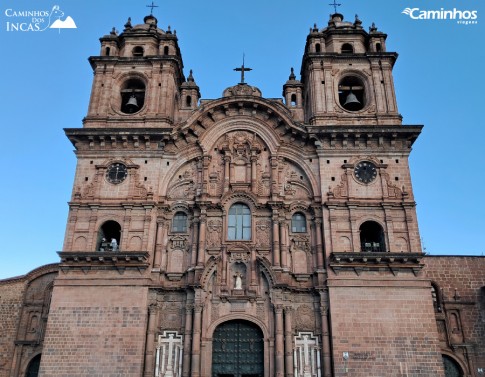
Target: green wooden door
point(237, 350)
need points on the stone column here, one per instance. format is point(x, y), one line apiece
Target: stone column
point(319, 246)
point(164, 262)
point(195, 367)
point(93, 232)
point(280, 346)
point(288, 343)
point(274, 177)
point(254, 183)
point(195, 239)
point(202, 235)
point(327, 368)
point(284, 243)
point(227, 161)
point(253, 264)
point(158, 244)
point(224, 267)
point(150, 345)
point(276, 240)
point(354, 229)
point(123, 242)
point(187, 341)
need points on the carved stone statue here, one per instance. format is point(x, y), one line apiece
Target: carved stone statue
point(238, 281)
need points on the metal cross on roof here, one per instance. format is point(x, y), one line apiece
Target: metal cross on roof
point(155, 6)
point(335, 5)
point(242, 69)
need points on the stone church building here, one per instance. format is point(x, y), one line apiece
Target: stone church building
point(244, 236)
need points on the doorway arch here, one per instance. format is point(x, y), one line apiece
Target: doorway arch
point(33, 368)
point(238, 350)
point(452, 368)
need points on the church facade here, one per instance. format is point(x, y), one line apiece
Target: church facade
point(244, 236)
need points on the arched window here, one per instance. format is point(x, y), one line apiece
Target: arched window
point(317, 47)
point(452, 369)
point(165, 50)
point(138, 51)
point(33, 368)
point(188, 101)
point(293, 100)
point(372, 237)
point(378, 47)
point(239, 222)
point(179, 223)
point(107, 51)
point(298, 223)
point(132, 96)
point(109, 236)
point(351, 93)
point(347, 48)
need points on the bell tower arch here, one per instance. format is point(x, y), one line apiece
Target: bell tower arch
point(347, 75)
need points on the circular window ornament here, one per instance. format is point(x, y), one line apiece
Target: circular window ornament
point(116, 173)
point(365, 172)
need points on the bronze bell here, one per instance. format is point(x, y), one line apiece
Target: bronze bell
point(132, 104)
point(352, 103)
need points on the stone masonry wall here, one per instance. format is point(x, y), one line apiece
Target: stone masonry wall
point(461, 285)
point(386, 326)
point(95, 331)
point(11, 297)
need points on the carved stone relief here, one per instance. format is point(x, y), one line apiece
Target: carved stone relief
point(184, 182)
point(214, 234)
point(171, 316)
point(341, 190)
point(299, 249)
point(294, 183)
point(304, 318)
point(214, 312)
point(263, 233)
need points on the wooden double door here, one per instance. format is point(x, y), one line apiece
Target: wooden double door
point(238, 350)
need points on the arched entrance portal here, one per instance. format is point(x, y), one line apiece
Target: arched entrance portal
point(237, 350)
point(33, 369)
point(452, 369)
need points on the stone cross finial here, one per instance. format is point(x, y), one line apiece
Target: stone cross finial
point(242, 69)
point(335, 5)
point(152, 5)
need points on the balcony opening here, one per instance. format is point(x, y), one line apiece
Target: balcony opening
point(109, 236)
point(372, 237)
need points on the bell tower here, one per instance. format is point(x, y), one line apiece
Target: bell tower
point(349, 105)
point(137, 77)
point(347, 75)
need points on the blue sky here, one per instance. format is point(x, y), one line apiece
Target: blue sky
point(47, 83)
